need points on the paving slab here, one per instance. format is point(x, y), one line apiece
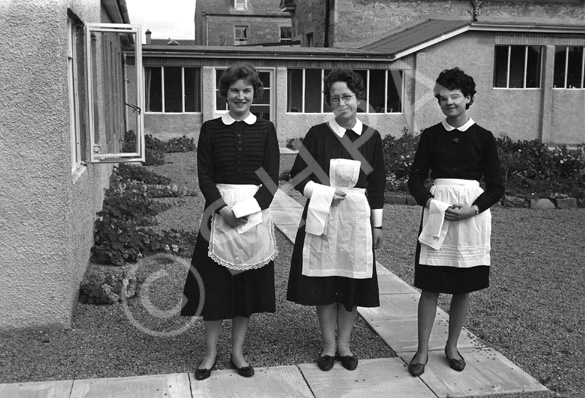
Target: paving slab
point(280, 381)
point(487, 372)
point(40, 389)
point(389, 283)
point(174, 385)
point(396, 323)
point(384, 377)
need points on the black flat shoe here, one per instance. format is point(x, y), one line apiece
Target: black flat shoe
point(416, 369)
point(456, 364)
point(202, 374)
point(349, 362)
point(325, 362)
point(244, 371)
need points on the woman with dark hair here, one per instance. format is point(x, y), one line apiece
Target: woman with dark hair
point(453, 248)
point(341, 171)
point(232, 270)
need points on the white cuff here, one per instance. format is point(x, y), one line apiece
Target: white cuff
point(308, 190)
point(377, 217)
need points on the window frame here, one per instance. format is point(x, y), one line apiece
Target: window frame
point(525, 67)
point(324, 108)
point(183, 94)
point(241, 5)
point(238, 41)
point(78, 150)
point(96, 155)
point(285, 39)
point(566, 67)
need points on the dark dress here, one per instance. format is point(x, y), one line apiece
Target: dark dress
point(323, 145)
point(231, 154)
point(467, 155)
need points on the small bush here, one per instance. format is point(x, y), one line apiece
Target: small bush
point(155, 149)
point(140, 174)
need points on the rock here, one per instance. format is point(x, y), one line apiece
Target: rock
point(566, 203)
point(541, 204)
point(512, 201)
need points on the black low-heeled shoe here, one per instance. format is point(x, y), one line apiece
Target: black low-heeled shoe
point(244, 371)
point(456, 364)
point(202, 374)
point(325, 362)
point(416, 369)
point(349, 362)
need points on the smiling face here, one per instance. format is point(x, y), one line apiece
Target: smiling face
point(453, 103)
point(344, 104)
point(240, 96)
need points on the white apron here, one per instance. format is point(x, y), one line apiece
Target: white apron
point(345, 246)
point(466, 243)
point(241, 249)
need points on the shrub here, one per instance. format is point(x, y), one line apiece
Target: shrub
point(155, 148)
point(398, 156)
point(120, 230)
point(140, 174)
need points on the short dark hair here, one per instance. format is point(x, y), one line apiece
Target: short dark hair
point(245, 72)
point(353, 80)
point(456, 79)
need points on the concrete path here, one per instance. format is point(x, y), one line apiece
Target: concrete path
point(487, 372)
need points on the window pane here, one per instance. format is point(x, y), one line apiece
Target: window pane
point(326, 107)
point(313, 93)
point(220, 103)
point(575, 69)
point(192, 90)
point(153, 90)
point(261, 111)
point(501, 66)
point(294, 90)
point(265, 79)
point(560, 64)
point(517, 56)
point(362, 107)
point(173, 89)
point(533, 67)
point(394, 102)
point(377, 85)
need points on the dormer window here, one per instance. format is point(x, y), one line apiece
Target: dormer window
point(241, 5)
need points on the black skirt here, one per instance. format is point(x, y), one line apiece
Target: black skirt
point(451, 280)
point(325, 290)
point(224, 295)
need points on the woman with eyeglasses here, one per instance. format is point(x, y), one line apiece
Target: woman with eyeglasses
point(340, 169)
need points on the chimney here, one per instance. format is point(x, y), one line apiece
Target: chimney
point(148, 33)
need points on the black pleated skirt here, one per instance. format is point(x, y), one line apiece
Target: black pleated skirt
point(311, 290)
point(221, 295)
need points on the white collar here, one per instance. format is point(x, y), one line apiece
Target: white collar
point(340, 131)
point(467, 125)
point(227, 119)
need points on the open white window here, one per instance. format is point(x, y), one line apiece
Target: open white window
point(115, 93)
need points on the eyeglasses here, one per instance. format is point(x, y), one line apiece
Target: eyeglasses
point(345, 98)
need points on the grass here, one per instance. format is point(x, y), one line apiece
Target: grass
point(532, 312)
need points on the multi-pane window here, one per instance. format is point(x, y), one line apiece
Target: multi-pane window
point(383, 91)
point(569, 67)
point(173, 89)
point(517, 66)
point(240, 35)
point(285, 34)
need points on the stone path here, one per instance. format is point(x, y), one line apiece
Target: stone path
point(487, 372)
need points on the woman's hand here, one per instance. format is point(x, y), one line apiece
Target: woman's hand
point(228, 215)
point(458, 212)
point(338, 195)
point(377, 237)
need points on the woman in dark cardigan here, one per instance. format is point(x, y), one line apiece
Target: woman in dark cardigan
point(453, 249)
point(340, 169)
point(232, 270)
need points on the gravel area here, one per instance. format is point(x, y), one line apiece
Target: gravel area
point(532, 312)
